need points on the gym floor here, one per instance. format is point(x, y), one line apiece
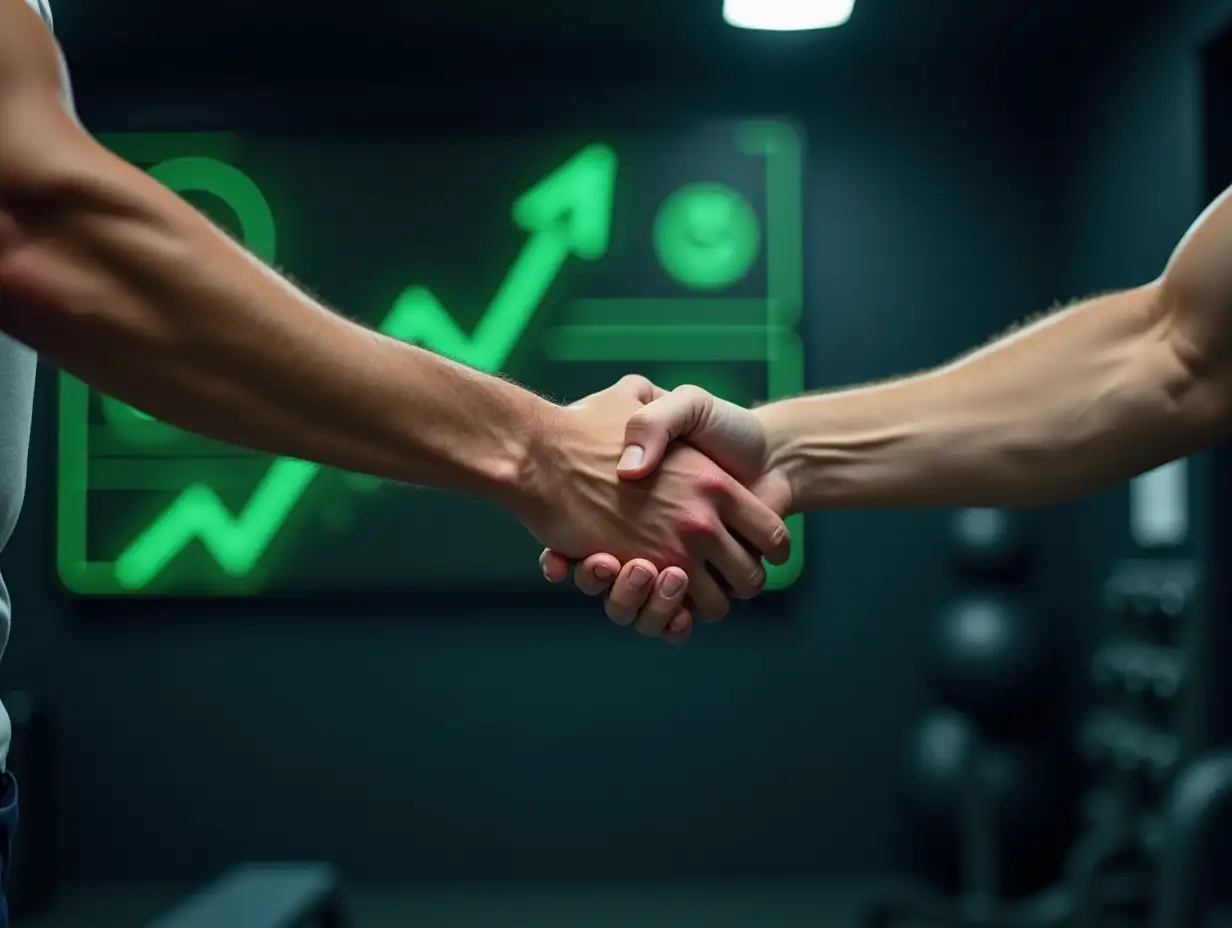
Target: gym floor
point(768, 904)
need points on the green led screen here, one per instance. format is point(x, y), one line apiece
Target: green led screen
point(561, 261)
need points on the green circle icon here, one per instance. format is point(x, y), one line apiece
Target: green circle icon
point(707, 237)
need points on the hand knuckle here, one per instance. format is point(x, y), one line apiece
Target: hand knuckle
point(753, 583)
point(712, 483)
point(693, 524)
point(634, 380)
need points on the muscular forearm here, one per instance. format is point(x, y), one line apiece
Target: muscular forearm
point(1080, 400)
point(125, 285)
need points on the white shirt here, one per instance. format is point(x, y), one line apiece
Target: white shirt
point(17, 364)
point(43, 8)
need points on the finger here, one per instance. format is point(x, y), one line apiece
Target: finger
point(756, 523)
point(555, 566)
point(739, 568)
point(655, 426)
point(664, 602)
point(631, 591)
point(680, 629)
point(709, 603)
point(643, 389)
point(596, 574)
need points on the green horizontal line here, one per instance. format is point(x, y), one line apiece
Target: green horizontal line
point(147, 474)
point(649, 312)
point(98, 578)
point(659, 343)
point(153, 147)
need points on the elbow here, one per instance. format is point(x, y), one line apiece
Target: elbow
point(1208, 407)
point(1193, 368)
point(31, 278)
point(55, 270)
point(56, 183)
point(36, 282)
point(36, 202)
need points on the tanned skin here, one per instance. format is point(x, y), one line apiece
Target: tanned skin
point(1082, 399)
point(114, 278)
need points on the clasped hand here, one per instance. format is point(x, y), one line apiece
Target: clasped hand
point(669, 531)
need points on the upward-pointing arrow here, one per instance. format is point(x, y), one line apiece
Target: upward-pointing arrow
point(568, 212)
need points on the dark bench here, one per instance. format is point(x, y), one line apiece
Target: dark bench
point(306, 895)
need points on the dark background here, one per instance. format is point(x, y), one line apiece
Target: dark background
point(967, 169)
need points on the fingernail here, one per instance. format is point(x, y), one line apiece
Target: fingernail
point(632, 458)
point(604, 573)
point(639, 578)
point(672, 585)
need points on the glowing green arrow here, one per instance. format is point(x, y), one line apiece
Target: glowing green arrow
point(567, 213)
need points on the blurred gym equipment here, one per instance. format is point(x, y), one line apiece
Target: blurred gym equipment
point(991, 661)
point(1200, 796)
point(304, 895)
point(974, 798)
point(1148, 817)
point(986, 787)
point(988, 544)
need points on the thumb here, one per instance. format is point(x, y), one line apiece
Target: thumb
point(652, 428)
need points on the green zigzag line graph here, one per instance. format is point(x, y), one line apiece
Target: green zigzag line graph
point(566, 214)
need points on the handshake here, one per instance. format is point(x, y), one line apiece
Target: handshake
point(671, 531)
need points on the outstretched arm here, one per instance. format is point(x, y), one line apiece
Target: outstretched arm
point(113, 277)
point(1083, 399)
point(1080, 400)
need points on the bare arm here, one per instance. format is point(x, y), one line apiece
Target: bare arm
point(1082, 399)
point(122, 283)
point(1079, 401)
point(119, 281)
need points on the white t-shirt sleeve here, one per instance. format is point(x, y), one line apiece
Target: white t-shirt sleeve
point(43, 8)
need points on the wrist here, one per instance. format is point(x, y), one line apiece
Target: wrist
point(523, 483)
point(857, 448)
point(783, 459)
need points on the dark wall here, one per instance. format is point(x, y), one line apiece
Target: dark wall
point(1136, 179)
point(1131, 150)
point(1131, 146)
point(533, 739)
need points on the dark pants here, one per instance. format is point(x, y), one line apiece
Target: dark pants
point(8, 829)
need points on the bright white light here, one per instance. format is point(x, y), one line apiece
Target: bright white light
point(787, 15)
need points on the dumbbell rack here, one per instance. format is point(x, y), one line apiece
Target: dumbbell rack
point(991, 558)
point(1144, 726)
point(1146, 720)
